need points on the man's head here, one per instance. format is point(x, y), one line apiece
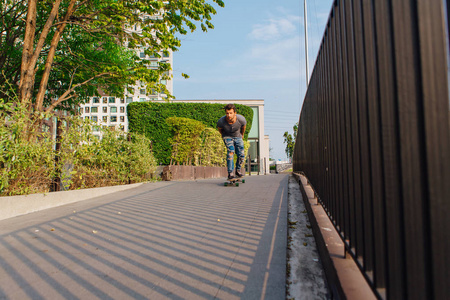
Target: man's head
point(230, 106)
point(230, 110)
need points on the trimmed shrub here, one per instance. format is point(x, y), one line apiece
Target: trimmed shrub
point(213, 151)
point(186, 141)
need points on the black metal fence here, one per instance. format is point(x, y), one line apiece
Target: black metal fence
point(374, 141)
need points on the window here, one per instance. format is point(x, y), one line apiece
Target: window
point(113, 119)
point(94, 118)
point(142, 99)
point(142, 91)
point(129, 99)
point(153, 64)
point(142, 55)
point(113, 109)
point(105, 109)
point(166, 54)
point(86, 109)
point(105, 100)
point(163, 81)
point(122, 109)
point(122, 100)
point(94, 109)
point(112, 100)
point(95, 100)
point(153, 92)
point(105, 119)
point(122, 119)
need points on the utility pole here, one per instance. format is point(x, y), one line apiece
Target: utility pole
point(306, 42)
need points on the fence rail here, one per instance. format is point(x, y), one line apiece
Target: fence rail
point(374, 141)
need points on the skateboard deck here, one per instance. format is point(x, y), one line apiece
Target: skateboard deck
point(234, 182)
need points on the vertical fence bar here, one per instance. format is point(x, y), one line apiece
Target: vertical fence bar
point(336, 216)
point(351, 125)
point(355, 145)
point(372, 96)
point(412, 166)
point(435, 104)
point(366, 232)
point(346, 147)
point(390, 149)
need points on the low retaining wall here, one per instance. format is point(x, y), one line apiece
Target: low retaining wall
point(282, 167)
point(175, 172)
point(13, 206)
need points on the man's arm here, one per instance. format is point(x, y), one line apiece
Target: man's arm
point(243, 130)
point(220, 130)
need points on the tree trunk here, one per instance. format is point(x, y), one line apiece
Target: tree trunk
point(27, 77)
point(51, 55)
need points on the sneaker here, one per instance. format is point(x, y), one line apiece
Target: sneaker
point(230, 176)
point(239, 174)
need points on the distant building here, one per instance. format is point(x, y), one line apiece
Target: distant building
point(259, 143)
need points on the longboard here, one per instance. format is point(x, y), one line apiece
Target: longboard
point(234, 182)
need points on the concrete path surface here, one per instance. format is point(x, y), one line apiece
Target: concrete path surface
point(163, 240)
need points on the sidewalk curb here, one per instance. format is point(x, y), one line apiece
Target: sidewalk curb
point(345, 280)
point(13, 206)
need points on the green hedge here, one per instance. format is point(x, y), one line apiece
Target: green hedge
point(149, 118)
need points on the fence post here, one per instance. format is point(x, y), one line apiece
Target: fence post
point(56, 184)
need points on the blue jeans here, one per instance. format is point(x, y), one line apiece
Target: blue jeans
point(234, 144)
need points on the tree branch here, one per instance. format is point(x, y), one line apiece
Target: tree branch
point(64, 97)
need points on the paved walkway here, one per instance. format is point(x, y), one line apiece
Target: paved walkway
point(164, 240)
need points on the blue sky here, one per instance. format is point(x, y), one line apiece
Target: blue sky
point(255, 51)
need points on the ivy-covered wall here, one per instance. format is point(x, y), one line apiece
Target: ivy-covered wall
point(149, 118)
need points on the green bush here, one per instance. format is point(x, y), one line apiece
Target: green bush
point(115, 159)
point(213, 150)
point(84, 161)
point(148, 118)
point(26, 167)
point(186, 141)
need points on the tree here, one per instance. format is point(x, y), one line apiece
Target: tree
point(69, 49)
point(290, 141)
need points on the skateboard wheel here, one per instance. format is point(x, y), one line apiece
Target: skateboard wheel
point(237, 184)
point(225, 184)
point(243, 180)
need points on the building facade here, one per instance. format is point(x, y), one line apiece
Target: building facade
point(258, 153)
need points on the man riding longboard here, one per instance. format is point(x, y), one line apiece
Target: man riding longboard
point(232, 128)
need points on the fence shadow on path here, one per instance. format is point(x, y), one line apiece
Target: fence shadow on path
point(183, 240)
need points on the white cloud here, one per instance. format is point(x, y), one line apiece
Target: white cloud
point(275, 28)
point(274, 50)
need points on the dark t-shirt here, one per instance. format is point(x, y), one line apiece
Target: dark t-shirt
point(231, 130)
